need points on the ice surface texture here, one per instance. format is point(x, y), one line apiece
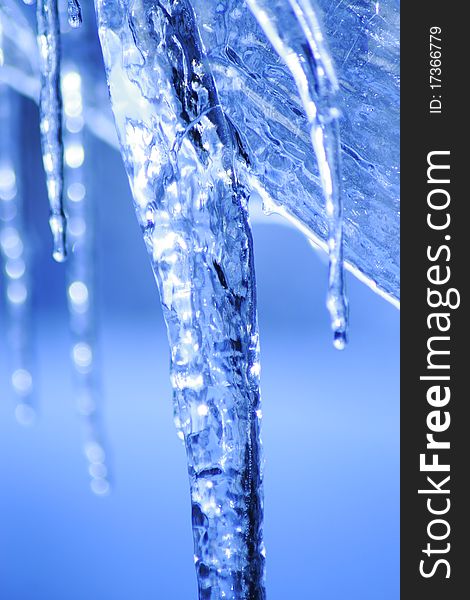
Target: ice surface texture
point(192, 152)
point(74, 13)
point(293, 30)
point(214, 101)
point(259, 96)
point(50, 109)
point(179, 155)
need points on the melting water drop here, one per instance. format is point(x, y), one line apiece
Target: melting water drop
point(58, 224)
point(50, 111)
point(288, 26)
point(340, 340)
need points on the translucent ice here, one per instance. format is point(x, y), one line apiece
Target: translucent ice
point(215, 102)
point(179, 154)
point(74, 11)
point(50, 107)
point(293, 30)
point(260, 100)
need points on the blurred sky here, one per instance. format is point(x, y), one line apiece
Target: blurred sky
point(330, 429)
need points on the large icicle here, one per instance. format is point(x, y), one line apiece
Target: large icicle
point(295, 34)
point(50, 109)
point(179, 157)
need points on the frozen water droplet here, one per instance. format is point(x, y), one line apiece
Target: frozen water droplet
point(58, 253)
point(340, 340)
point(57, 224)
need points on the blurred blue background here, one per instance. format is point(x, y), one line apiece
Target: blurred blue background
point(330, 429)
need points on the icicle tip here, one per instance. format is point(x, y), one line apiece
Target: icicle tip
point(340, 340)
point(74, 13)
point(57, 224)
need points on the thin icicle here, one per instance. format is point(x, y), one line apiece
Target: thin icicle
point(293, 30)
point(80, 280)
point(13, 253)
point(74, 13)
point(50, 110)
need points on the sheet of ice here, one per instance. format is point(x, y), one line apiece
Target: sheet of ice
point(260, 100)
